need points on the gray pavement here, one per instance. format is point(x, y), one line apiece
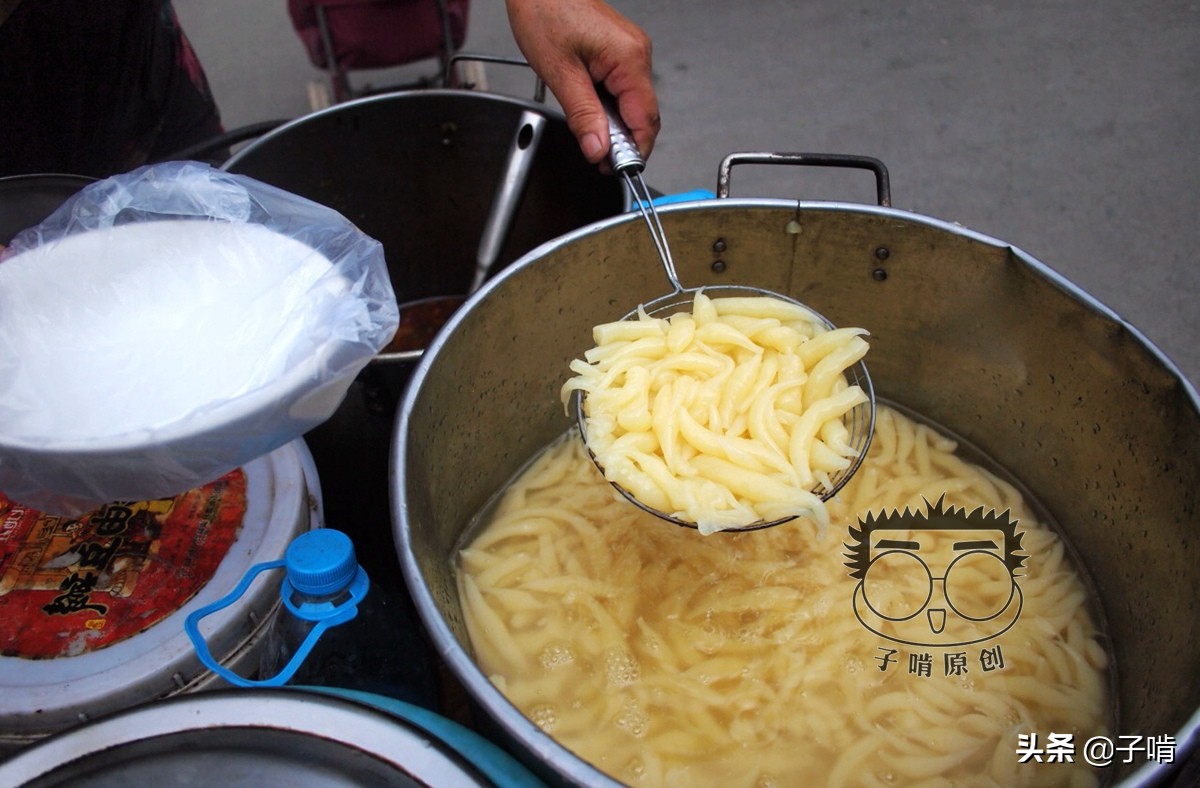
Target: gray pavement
point(1068, 129)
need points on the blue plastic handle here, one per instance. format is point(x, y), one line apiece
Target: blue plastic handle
point(694, 194)
point(325, 615)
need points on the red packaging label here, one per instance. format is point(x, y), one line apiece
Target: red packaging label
point(70, 585)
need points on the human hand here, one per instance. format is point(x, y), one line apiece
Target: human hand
point(574, 45)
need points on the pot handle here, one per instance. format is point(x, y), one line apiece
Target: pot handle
point(539, 87)
point(511, 186)
point(883, 188)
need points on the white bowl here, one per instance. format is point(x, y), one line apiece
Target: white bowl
point(140, 360)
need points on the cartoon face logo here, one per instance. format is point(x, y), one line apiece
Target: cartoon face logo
point(941, 578)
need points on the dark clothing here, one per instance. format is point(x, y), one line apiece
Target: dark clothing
point(98, 87)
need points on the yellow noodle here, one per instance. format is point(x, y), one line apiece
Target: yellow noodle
point(669, 658)
point(825, 374)
point(486, 626)
point(722, 383)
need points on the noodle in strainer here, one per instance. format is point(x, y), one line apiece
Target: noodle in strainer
point(658, 402)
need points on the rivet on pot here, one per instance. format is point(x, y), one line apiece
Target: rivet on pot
point(879, 274)
point(718, 266)
point(882, 253)
point(449, 129)
point(719, 245)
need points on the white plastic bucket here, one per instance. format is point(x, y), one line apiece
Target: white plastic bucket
point(268, 737)
point(94, 606)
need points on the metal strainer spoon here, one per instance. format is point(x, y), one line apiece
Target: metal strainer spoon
point(627, 162)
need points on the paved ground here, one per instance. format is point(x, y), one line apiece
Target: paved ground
point(1065, 128)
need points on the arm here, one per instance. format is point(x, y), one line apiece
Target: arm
point(574, 44)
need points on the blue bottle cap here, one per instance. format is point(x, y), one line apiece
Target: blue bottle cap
point(320, 562)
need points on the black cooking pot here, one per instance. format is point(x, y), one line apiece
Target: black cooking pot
point(25, 200)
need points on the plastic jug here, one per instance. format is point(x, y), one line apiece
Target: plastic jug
point(329, 630)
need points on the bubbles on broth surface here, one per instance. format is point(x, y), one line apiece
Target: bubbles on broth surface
point(741, 659)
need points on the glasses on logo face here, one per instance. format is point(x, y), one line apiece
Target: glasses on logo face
point(907, 576)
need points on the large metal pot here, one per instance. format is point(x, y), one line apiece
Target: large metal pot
point(420, 171)
point(966, 329)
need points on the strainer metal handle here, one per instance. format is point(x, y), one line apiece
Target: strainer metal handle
point(623, 154)
point(628, 163)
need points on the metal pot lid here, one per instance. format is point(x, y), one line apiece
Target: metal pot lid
point(244, 738)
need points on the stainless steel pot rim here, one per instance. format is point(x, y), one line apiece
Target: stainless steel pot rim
point(1054, 278)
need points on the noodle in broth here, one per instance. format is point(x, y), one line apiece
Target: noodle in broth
point(665, 657)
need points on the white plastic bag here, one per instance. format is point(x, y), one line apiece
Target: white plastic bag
point(167, 325)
